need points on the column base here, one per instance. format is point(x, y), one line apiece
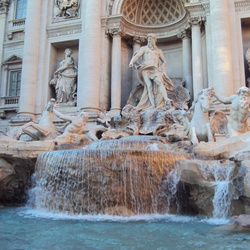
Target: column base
point(114, 112)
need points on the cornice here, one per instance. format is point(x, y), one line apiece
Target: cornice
point(242, 5)
point(57, 31)
point(13, 44)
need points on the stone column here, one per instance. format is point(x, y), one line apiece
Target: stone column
point(196, 55)
point(3, 14)
point(222, 47)
point(89, 73)
point(105, 72)
point(30, 66)
point(185, 35)
point(136, 46)
point(116, 73)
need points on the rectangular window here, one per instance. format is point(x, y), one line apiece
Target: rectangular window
point(14, 83)
point(21, 9)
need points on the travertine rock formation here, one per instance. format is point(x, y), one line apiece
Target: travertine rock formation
point(17, 163)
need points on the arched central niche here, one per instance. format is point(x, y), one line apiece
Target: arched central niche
point(153, 12)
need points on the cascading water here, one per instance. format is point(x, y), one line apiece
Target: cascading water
point(209, 184)
point(112, 181)
point(125, 144)
point(223, 176)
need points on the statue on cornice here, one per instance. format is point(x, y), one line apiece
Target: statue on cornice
point(64, 80)
point(66, 8)
point(150, 63)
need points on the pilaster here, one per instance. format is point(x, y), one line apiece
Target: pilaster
point(4, 5)
point(30, 59)
point(222, 47)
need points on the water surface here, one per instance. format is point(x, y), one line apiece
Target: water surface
point(24, 228)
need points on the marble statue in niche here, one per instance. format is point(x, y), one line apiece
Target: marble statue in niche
point(66, 8)
point(64, 80)
point(150, 63)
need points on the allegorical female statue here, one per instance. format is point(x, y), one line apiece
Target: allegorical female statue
point(64, 80)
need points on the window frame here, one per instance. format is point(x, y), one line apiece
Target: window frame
point(16, 10)
point(18, 82)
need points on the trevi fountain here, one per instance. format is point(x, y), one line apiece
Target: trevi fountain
point(161, 175)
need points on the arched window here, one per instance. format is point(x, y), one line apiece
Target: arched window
point(21, 9)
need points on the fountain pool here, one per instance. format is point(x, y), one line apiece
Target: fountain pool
point(23, 228)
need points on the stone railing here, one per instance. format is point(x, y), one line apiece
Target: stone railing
point(18, 22)
point(10, 100)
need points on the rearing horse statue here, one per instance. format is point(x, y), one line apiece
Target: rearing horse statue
point(44, 129)
point(200, 129)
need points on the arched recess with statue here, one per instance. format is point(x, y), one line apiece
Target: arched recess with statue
point(127, 24)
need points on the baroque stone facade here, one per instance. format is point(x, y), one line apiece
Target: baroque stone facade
point(203, 41)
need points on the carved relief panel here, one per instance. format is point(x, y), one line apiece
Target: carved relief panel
point(66, 9)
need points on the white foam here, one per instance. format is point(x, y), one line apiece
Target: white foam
point(216, 221)
point(34, 213)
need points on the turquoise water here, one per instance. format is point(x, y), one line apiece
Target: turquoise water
point(23, 228)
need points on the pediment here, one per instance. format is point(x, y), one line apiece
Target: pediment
point(12, 60)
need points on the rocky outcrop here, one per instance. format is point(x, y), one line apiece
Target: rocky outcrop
point(17, 163)
point(224, 148)
point(15, 179)
point(214, 188)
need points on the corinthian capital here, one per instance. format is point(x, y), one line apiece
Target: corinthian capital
point(116, 32)
point(139, 39)
point(4, 4)
point(197, 20)
point(184, 34)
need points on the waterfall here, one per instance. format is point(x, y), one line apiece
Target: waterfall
point(172, 180)
point(222, 182)
point(127, 144)
point(95, 181)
